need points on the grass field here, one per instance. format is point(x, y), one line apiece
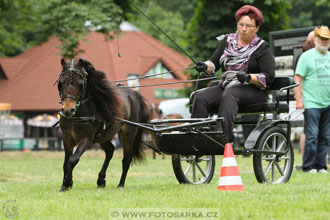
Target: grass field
point(30, 181)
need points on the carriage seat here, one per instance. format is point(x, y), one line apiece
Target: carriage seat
point(279, 85)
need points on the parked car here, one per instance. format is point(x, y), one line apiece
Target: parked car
point(175, 106)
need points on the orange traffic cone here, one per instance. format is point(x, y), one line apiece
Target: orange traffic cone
point(230, 179)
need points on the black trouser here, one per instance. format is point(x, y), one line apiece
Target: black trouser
point(226, 102)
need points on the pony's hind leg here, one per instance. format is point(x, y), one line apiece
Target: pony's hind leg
point(126, 162)
point(127, 139)
point(130, 139)
point(108, 149)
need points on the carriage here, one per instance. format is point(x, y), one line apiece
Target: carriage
point(194, 142)
point(93, 111)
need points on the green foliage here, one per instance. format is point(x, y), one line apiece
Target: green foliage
point(171, 22)
point(71, 21)
point(184, 7)
point(212, 19)
point(323, 2)
point(309, 13)
point(18, 24)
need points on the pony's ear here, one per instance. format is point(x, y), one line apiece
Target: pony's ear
point(87, 65)
point(81, 62)
point(63, 63)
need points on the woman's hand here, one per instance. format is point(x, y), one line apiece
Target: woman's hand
point(201, 67)
point(243, 76)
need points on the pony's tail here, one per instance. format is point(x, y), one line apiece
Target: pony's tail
point(145, 118)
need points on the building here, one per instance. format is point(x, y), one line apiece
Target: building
point(27, 80)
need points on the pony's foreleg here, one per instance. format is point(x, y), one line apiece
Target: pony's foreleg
point(108, 149)
point(70, 163)
point(67, 183)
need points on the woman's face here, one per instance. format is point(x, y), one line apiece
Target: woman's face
point(246, 28)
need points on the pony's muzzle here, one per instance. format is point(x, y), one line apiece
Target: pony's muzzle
point(68, 112)
point(69, 106)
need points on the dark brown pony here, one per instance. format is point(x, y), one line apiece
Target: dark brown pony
point(90, 108)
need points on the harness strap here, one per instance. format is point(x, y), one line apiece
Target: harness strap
point(81, 119)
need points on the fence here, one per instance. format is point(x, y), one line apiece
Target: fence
point(50, 143)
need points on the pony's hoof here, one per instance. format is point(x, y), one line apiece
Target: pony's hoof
point(120, 186)
point(64, 189)
point(101, 184)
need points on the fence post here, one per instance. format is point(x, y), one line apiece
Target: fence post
point(21, 144)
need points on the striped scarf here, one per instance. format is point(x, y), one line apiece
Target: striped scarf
point(236, 59)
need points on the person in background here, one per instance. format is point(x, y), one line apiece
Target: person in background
point(313, 95)
point(309, 44)
point(248, 68)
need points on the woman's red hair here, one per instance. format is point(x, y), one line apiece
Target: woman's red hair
point(250, 11)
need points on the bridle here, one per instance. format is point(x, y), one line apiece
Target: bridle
point(68, 73)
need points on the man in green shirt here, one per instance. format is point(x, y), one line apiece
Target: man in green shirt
point(313, 95)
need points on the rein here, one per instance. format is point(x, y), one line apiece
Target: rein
point(149, 76)
point(191, 58)
point(169, 83)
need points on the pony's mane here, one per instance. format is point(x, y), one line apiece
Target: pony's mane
point(105, 96)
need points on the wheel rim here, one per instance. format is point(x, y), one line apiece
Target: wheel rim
point(196, 169)
point(275, 168)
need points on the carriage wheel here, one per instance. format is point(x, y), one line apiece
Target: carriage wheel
point(193, 169)
point(273, 168)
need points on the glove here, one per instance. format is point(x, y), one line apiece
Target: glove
point(201, 67)
point(243, 76)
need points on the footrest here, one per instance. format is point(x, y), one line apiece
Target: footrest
point(191, 143)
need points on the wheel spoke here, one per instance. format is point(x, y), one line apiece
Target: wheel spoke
point(200, 170)
point(188, 169)
point(269, 158)
point(273, 171)
point(268, 167)
point(280, 147)
point(194, 171)
point(274, 143)
point(267, 146)
point(286, 158)
point(187, 159)
point(279, 168)
point(204, 159)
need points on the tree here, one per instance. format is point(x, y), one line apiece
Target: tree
point(323, 2)
point(309, 13)
point(71, 21)
point(184, 7)
point(18, 25)
point(171, 22)
point(212, 19)
point(30, 22)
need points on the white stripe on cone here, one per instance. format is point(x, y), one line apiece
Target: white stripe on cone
point(230, 180)
point(229, 162)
